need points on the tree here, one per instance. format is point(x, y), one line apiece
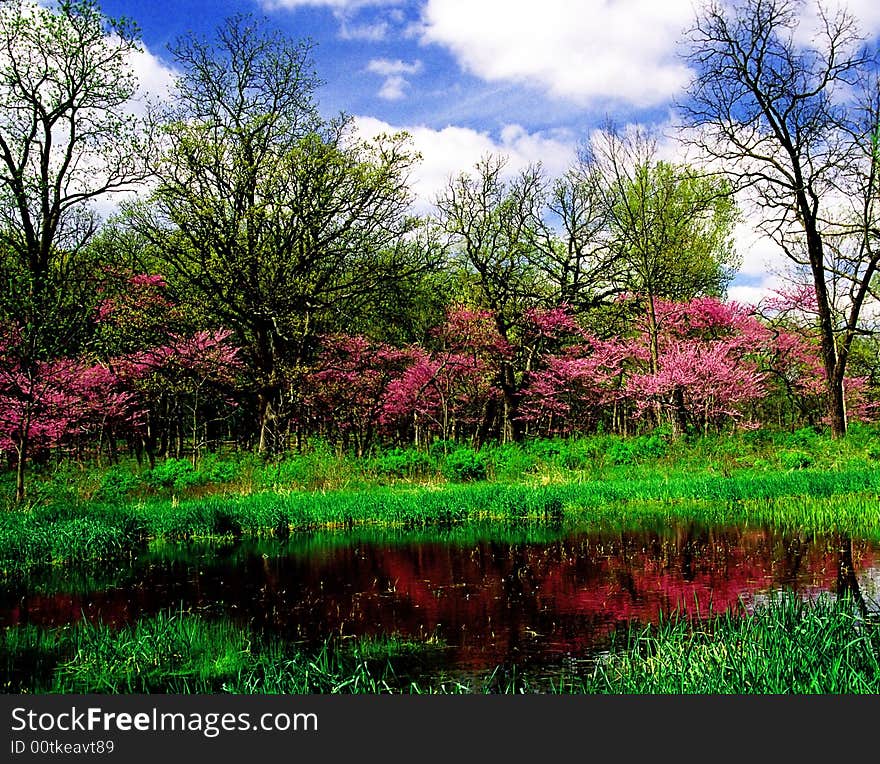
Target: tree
point(708, 362)
point(280, 221)
point(795, 363)
point(347, 387)
point(55, 400)
point(571, 386)
point(452, 390)
point(670, 227)
point(65, 139)
point(779, 115)
point(571, 245)
point(706, 370)
point(173, 364)
point(492, 225)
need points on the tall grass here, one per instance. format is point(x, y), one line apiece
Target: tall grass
point(180, 652)
point(583, 459)
point(821, 501)
point(785, 646)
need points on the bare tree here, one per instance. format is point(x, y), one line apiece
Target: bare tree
point(778, 110)
point(571, 247)
point(492, 223)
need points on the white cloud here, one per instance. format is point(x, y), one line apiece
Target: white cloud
point(865, 12)
point(387, 68)
point(454, 150)
point(763, 265)
point(393, 89)
point(589, 51)
point(336, 5)
point(375, 32)
point(156, 79)
point(350, 15)
point(395, 83)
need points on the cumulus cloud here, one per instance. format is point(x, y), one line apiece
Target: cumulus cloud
point(394, 74)
point(365, 20)
point(453, 150)
point(762, 268)
point(155, 77)
point(584, 52)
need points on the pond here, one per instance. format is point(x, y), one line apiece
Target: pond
point(525, 597)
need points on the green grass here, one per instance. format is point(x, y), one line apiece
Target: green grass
point(801, 480)
point(184, 653)
point(319, 466)
point(784, 646)
point(820, 501)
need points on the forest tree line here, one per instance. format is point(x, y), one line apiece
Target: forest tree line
point(270, 282)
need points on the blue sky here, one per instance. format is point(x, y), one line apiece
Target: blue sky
point(526, 79)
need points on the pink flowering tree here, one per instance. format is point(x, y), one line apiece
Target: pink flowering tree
point(795, 363)
point(455, 390)
point(346, 391)
point(53, 402)
point(183, 376)
point(194, 373)
point(572, 377)
point(572, 389)
point(707, 367)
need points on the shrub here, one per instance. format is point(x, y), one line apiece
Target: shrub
point(294, 471)
point(620, 452)
point(547, 451)
point(177, 474)
point(213, 469)
point(116, 483)
point(650, 447)
point(403, 462)
point(464, 464)
point(440, 448)
point(806, 437)
point(795, 460)
point(580, 454)
point(509, 461)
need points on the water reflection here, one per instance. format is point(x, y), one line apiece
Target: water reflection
point(492, 602)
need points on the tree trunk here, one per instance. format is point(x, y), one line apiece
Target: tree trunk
point(19, 474)
point(834, 370)
point(511, 426)
point(266, 404)
point(21, 450)
point(837, 408)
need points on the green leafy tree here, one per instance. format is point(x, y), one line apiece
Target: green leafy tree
point(278, 220)
point(670, 228)
point(66, 138)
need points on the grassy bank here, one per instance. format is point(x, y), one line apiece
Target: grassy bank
point(784, 646)
point(586, 459)
point(801, 480)
point(820, 501)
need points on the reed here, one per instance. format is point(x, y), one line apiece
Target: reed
point(785, 645)
point(178, 652)
point(788, 645)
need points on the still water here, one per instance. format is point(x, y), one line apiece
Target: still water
point(527, 597)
